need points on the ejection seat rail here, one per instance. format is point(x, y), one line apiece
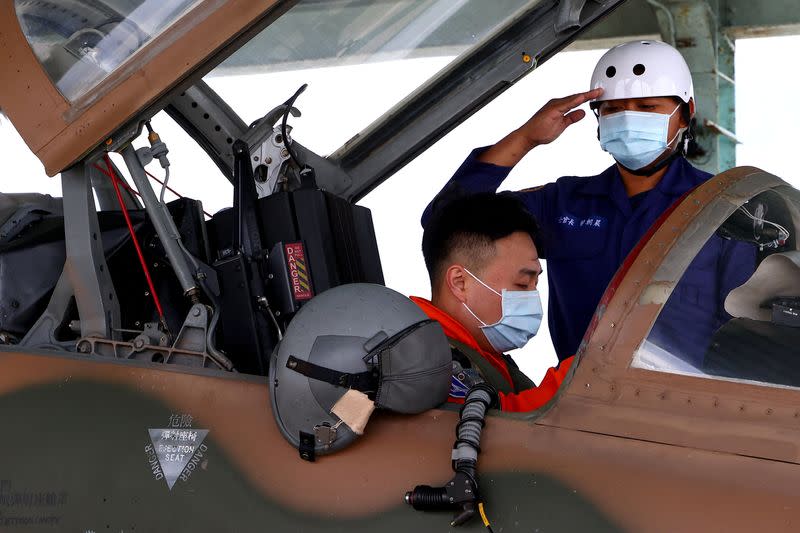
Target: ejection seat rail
point(85, 274)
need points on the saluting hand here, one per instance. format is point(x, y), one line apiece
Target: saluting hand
point(545, 126)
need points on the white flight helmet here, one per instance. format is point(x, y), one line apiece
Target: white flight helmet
point(641, 69)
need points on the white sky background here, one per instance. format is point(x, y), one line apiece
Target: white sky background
point(341, 101)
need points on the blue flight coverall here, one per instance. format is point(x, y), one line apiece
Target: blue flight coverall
point(588, 227)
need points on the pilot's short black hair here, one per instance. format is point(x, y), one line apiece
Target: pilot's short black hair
point(468, 227)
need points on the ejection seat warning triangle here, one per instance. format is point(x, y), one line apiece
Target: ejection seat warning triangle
point(175, 448)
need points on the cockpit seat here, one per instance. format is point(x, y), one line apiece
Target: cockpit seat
point(751, 346)
point(777, 276)
point(33, 255)
point(27, 278)
point(20, 210)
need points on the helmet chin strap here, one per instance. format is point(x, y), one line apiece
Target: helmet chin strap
point(651, 169)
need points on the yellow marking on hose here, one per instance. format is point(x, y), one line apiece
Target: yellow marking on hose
point(483, 515)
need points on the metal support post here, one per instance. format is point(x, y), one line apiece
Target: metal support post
point(696, 28)
point(726, 101)
point(44, 333)
point(85, 266)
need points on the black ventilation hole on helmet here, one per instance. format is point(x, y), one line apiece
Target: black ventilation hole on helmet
point(610, 71)
point(638, 69)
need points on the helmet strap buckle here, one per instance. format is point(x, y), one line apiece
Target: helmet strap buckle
point(324, 434)
point(307, 447)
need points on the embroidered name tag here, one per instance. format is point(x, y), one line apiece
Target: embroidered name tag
point(572, 221)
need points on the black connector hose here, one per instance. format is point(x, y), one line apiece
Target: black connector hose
point(460, 493)
point(427, 498)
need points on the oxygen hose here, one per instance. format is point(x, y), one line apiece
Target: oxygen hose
point(461, 493)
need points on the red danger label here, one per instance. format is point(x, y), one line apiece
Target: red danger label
point(298, 271)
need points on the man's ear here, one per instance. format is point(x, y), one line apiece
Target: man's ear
point(456, 280)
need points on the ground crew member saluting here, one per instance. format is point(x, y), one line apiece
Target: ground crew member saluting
point(643, 96)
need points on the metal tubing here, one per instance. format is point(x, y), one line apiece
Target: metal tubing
point(716, 128)
point(162, 221)
point(725, 77)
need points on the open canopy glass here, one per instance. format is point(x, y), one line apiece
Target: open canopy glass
point(81, 42)
point(359, 57)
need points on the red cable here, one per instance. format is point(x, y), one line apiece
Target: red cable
point(170, 189)
point(115, 180)
point(173, 191)
point(134, 191)
point(127, 187)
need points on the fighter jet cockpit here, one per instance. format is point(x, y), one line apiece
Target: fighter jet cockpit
point(209, 362)
point(150, 280)
point(746, 326)
point(172, 283)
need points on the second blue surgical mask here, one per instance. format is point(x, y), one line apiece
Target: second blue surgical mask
point(636, 138)
point(522, 316)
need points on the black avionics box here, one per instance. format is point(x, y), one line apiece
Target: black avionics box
point(786, 312)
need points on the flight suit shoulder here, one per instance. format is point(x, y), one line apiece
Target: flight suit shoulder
point(572, 183)
point(539, 189)
point(532, 189)
point(538, 195)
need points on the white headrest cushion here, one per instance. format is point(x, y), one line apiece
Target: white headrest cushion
point(777, 275)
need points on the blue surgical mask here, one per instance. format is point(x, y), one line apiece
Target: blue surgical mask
point(522, 315)
point(635, 138)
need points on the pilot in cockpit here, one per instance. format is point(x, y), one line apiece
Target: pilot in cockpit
point(484, 267)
